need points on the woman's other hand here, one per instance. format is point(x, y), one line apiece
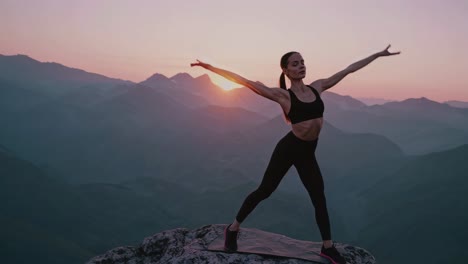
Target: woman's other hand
point(199, 63)
point(385, 52)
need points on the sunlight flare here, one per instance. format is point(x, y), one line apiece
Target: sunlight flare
point(224, 83)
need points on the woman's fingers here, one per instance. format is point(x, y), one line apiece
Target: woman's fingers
point(385, 52)
point(195, 63)
point(198, 62)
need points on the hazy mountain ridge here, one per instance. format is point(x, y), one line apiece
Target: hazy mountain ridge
point(27, 83)
point(418, 126)
point(424, 108)
point(342, 102)
point(46, 207)
point(33, 213)
point(427, 125)
point(138, 111)
point(373, 101)
point(146, 130)
point(129, 120)
point(456, 103)
point(14, 98)
point(65, 223)
point(431, 190)
point(138, 147)
point(22, 67)
point(201, 92)
point(419, 118)
point(139, 205)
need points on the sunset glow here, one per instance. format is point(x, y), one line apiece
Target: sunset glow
point(222, 82)
point(131, 41)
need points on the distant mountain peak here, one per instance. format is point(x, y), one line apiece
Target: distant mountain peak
point(345, 102)
point(157, 77)
point(420, 101)
point(20, 57)
point(182, 75)
point(420, 104)
point(374, 100)
point(23, 68)
point(17, 56)
point(204, 78)
point(158, 81)
point(181, 78)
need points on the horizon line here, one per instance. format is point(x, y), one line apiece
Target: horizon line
point(207, 74)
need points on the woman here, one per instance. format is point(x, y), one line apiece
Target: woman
point(303, 109)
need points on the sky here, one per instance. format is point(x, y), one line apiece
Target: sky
point(132, 40)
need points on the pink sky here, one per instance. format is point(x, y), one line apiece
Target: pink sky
point(134, 39)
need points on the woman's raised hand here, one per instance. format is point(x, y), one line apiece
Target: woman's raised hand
point(385, 52)
point(199, 63)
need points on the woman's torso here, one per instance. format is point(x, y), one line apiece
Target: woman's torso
point(308, 129)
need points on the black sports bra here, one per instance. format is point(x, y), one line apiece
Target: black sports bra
point(301, 111)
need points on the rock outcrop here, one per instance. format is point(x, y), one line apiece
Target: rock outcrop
point(191, 246)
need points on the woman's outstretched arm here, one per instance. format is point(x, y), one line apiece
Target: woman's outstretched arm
point(274, 94)
point(333, 80)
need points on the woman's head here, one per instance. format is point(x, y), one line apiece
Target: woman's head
point(293, 66)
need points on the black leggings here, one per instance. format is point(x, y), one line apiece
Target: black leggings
point(289, 151)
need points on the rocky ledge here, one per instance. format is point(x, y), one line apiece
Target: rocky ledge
point(191, 246)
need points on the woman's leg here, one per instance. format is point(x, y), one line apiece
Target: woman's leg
point(280, 162)
point(311, 177)
point(309, 172)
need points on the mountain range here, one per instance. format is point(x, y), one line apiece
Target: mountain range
point(81, 149)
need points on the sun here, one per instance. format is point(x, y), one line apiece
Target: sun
point(224, 83)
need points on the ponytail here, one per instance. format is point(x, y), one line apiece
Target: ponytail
point(282, 81)
point(282, 85)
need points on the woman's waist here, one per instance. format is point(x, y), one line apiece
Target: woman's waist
point(307, 132)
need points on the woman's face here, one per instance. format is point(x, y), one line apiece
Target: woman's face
point(296, 68)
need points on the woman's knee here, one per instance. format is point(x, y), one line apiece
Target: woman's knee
point(318, 197)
